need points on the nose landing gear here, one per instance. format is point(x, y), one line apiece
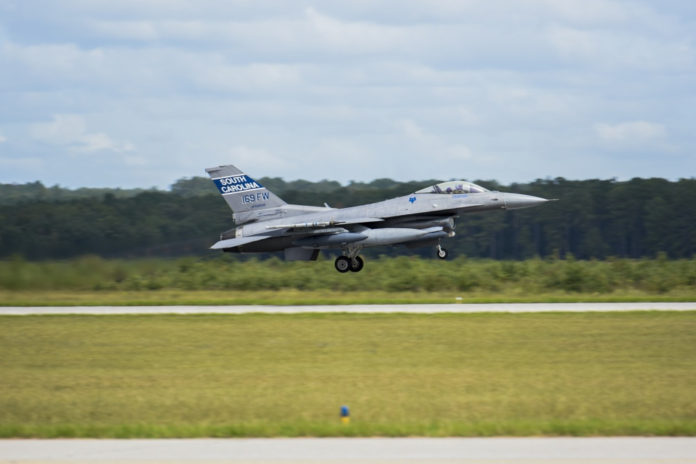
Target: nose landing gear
point(441, 252)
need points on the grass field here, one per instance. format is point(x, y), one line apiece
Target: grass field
point(314, 297)
point(287, 375)
point(91, 280)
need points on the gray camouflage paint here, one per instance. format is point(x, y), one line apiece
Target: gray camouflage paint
point(266, 223)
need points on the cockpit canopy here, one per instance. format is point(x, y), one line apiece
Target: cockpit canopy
point(454, 187)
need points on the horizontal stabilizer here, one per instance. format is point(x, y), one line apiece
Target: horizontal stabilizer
point(235, 242)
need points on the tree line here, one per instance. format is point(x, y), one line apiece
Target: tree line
point(592, 219)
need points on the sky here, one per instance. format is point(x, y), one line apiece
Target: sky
point(140, 93)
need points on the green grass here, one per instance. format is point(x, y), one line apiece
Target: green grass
point(226, 280)
point(166, 297)
point(401, 375)
point(390, 275)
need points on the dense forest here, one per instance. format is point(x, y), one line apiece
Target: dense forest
point(592, 219)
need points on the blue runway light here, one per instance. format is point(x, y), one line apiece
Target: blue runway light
point(345, 414)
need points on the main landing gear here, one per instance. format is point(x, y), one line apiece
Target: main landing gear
point(345, 264)
point(349, 261)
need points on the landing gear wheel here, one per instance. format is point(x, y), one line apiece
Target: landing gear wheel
point(342, 264)
point(441, 253)
point(357, 264)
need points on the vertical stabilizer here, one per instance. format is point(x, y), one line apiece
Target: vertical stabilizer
point(248, 199)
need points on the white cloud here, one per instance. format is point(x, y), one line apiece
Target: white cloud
point(52, 60)
point(9, 165)
point(70, 130)
point(457, 152)
point(631, 131)
point(491, 88)
point(131, 160)
point(63, 130)
point(129, 29)
point(3, 139)
point(591, 11)
point(435, 147)
point(467, 117)
point(414, 132)
point(259, 158)
point(355, 36)
point(310, 31)
point(620, 49)
point(221, 76)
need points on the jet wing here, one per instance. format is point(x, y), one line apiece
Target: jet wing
point(235, 242)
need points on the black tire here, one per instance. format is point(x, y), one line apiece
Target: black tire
point(357, 264)
point(342, 264)
point(442, 253)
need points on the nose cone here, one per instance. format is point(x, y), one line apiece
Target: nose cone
point(519, 201)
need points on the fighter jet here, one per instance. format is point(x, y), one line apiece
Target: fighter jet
point(265, 223)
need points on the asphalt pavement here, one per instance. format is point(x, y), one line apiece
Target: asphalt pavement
point(392, 308)
point(355, 450)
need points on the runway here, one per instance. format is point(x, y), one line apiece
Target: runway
point(400, 308)
point(364, 450)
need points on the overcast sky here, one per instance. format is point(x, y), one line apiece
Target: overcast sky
point(139, 93)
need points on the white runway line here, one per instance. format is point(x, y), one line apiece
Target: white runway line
point(341, 450)
point(400, 308)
